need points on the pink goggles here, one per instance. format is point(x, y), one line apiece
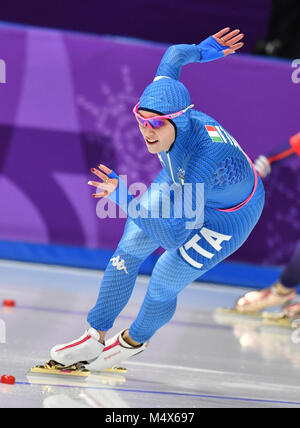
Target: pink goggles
point(157, 121)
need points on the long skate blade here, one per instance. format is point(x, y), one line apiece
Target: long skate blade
point(52, 367)
point(41, 370)
point(277, 320)
point(76, 370)
point(66, 372)
point(233, 311)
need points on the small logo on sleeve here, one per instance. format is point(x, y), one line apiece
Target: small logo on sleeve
point(214, 134)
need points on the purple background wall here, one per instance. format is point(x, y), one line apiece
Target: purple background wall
point(67, 106)
point(162, 21)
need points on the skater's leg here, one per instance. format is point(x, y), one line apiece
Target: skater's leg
point(120, 276)
point(281, 293)
point(115, 291)
point(170, 275)
point(290, 277)
point(222, 234)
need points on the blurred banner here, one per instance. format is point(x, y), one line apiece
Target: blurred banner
point(188, 21)
point(67, 105)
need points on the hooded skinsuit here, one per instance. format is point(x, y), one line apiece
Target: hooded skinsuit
point(208, 171)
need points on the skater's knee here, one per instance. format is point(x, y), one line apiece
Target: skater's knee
point(162, 294)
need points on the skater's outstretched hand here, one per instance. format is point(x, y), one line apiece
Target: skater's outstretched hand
point(231, 40)
point(262, 166)
point(108, 184)
point(222, 43)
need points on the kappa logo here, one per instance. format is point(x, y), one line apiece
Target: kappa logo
point(118, 263)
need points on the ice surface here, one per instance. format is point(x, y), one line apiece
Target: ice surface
point(197, 360)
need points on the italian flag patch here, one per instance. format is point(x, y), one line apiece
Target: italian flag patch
point(214, 134)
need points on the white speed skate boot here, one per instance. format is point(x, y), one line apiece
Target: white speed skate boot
point(256, 301)
point(116, 350)
point(86, 348)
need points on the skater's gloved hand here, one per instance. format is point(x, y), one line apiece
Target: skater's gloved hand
point(220, 44)
point(262, 166)
point(114, 188)
point(109, 182)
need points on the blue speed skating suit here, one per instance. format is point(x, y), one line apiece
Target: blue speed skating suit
point(224, 199)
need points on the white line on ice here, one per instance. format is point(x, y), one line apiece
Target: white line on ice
point(168, 366)
point(248, 378)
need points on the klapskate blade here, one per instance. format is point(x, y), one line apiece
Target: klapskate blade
point(277, 320)
point(66, 371)
point(75, 373)
point(41, 370)
point(233, 311)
